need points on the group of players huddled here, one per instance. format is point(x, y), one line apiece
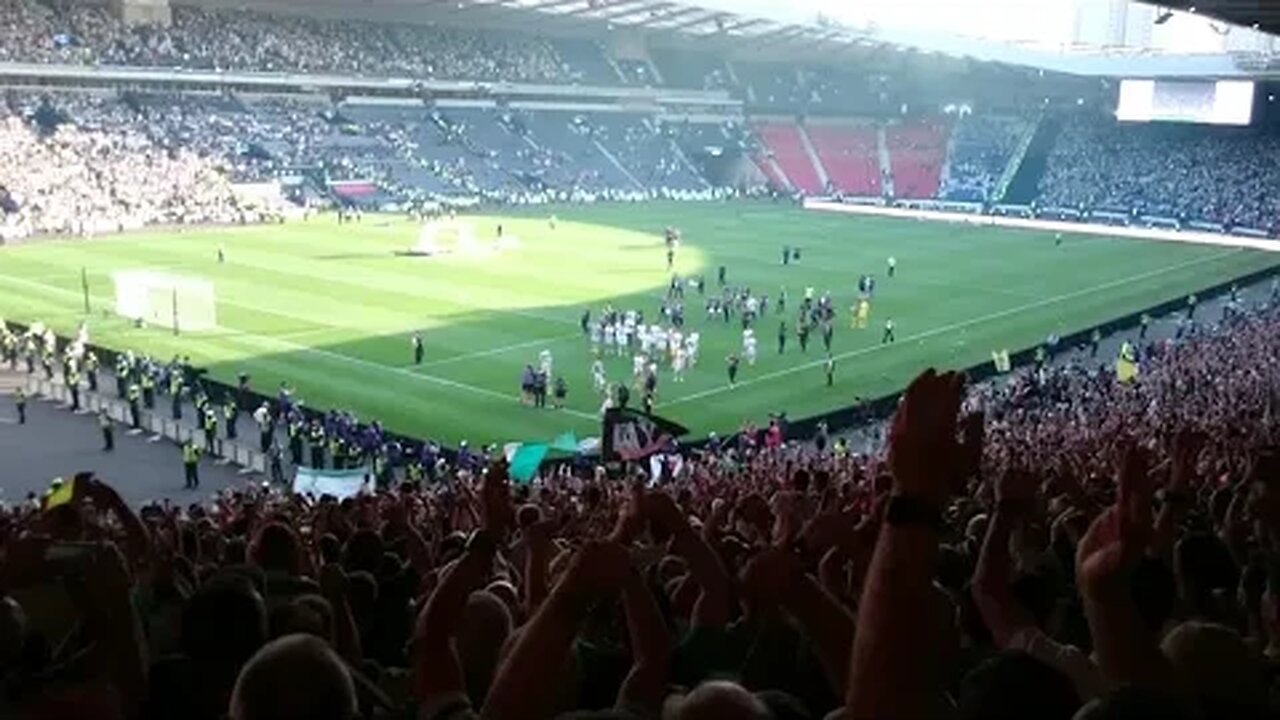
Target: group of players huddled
point(653, 342)
point(663, 340)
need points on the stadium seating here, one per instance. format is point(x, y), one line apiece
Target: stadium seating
point(200, 38)
point(980, 150)
point(917, 151)
point(1216, 175)
point(850, 155)
point(771, 86)
point(637, 72)
point(83, 166)
point(646, 150)
point(782, 140)
point(691, 69)
point(587, 59)
point(570, 153)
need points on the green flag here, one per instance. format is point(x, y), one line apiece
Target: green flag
point(526, 460)
point(565, 442)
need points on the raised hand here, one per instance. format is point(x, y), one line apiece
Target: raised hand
point(1186, 453)
point(631, 517)
point(495, 500)
point(924, 452)
point(786, 524)
point(1117, 539)
point(769, 575)
point(600, 567)
point(1016, 489)
point(661, 509)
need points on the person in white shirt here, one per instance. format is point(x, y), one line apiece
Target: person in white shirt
point(659, 337)
point(691, 349)
point(598, 379)
point(678, 364)
point(608, 339)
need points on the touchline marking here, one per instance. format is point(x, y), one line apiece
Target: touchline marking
point(299, 334)
point(946, 329)
point(337, 356)
point(494, 351)
point(410, 374)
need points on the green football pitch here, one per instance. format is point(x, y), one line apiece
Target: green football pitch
point(330, 308)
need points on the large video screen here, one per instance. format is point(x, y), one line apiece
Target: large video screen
point(1221, 102)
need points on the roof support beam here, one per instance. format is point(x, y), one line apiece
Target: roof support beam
point(548, 5)
point(742, 24)
point(670, 12)
point(779, 36)
point(696, 21)
point(608, 11)
point(644, 15)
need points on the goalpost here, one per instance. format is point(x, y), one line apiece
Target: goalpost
point(168, 301)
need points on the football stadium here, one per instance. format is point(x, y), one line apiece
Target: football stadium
point(847, 360)
point(331, 309)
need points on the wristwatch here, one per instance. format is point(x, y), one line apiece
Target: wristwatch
point(908, 510)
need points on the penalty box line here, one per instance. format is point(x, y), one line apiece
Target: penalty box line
point(328, 353)
point(949, 328)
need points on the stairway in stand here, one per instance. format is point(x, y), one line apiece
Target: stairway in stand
point(886, 162)
point(814, 159)
point(787, 150)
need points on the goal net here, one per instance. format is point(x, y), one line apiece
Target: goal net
point(168, 301)
point(444, 237)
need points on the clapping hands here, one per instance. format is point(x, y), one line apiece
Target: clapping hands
point(928, 460)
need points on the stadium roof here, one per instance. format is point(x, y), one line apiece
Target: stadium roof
point(710, 28)
point(791, 33)
point(1261, 15)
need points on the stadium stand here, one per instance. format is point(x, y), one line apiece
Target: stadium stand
point(637, 72)
point(917, 150)
point(770, 86)
point(981, 148)
point(101, 173)
point(247, 40)
point(574, 156)
point(1217, 175)
point(647, 150)
point(783, 143)
point(691, 69)
point(588, 61)
point(850, 155)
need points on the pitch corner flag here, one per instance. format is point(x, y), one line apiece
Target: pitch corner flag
point(633, 435)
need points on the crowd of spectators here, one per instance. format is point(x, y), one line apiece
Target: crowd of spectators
point(981, 148)
point(1185, 173)
point(251, 143)
point(104, 175)
point(251, 40)
point(1055, 544)
point(111, 161)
